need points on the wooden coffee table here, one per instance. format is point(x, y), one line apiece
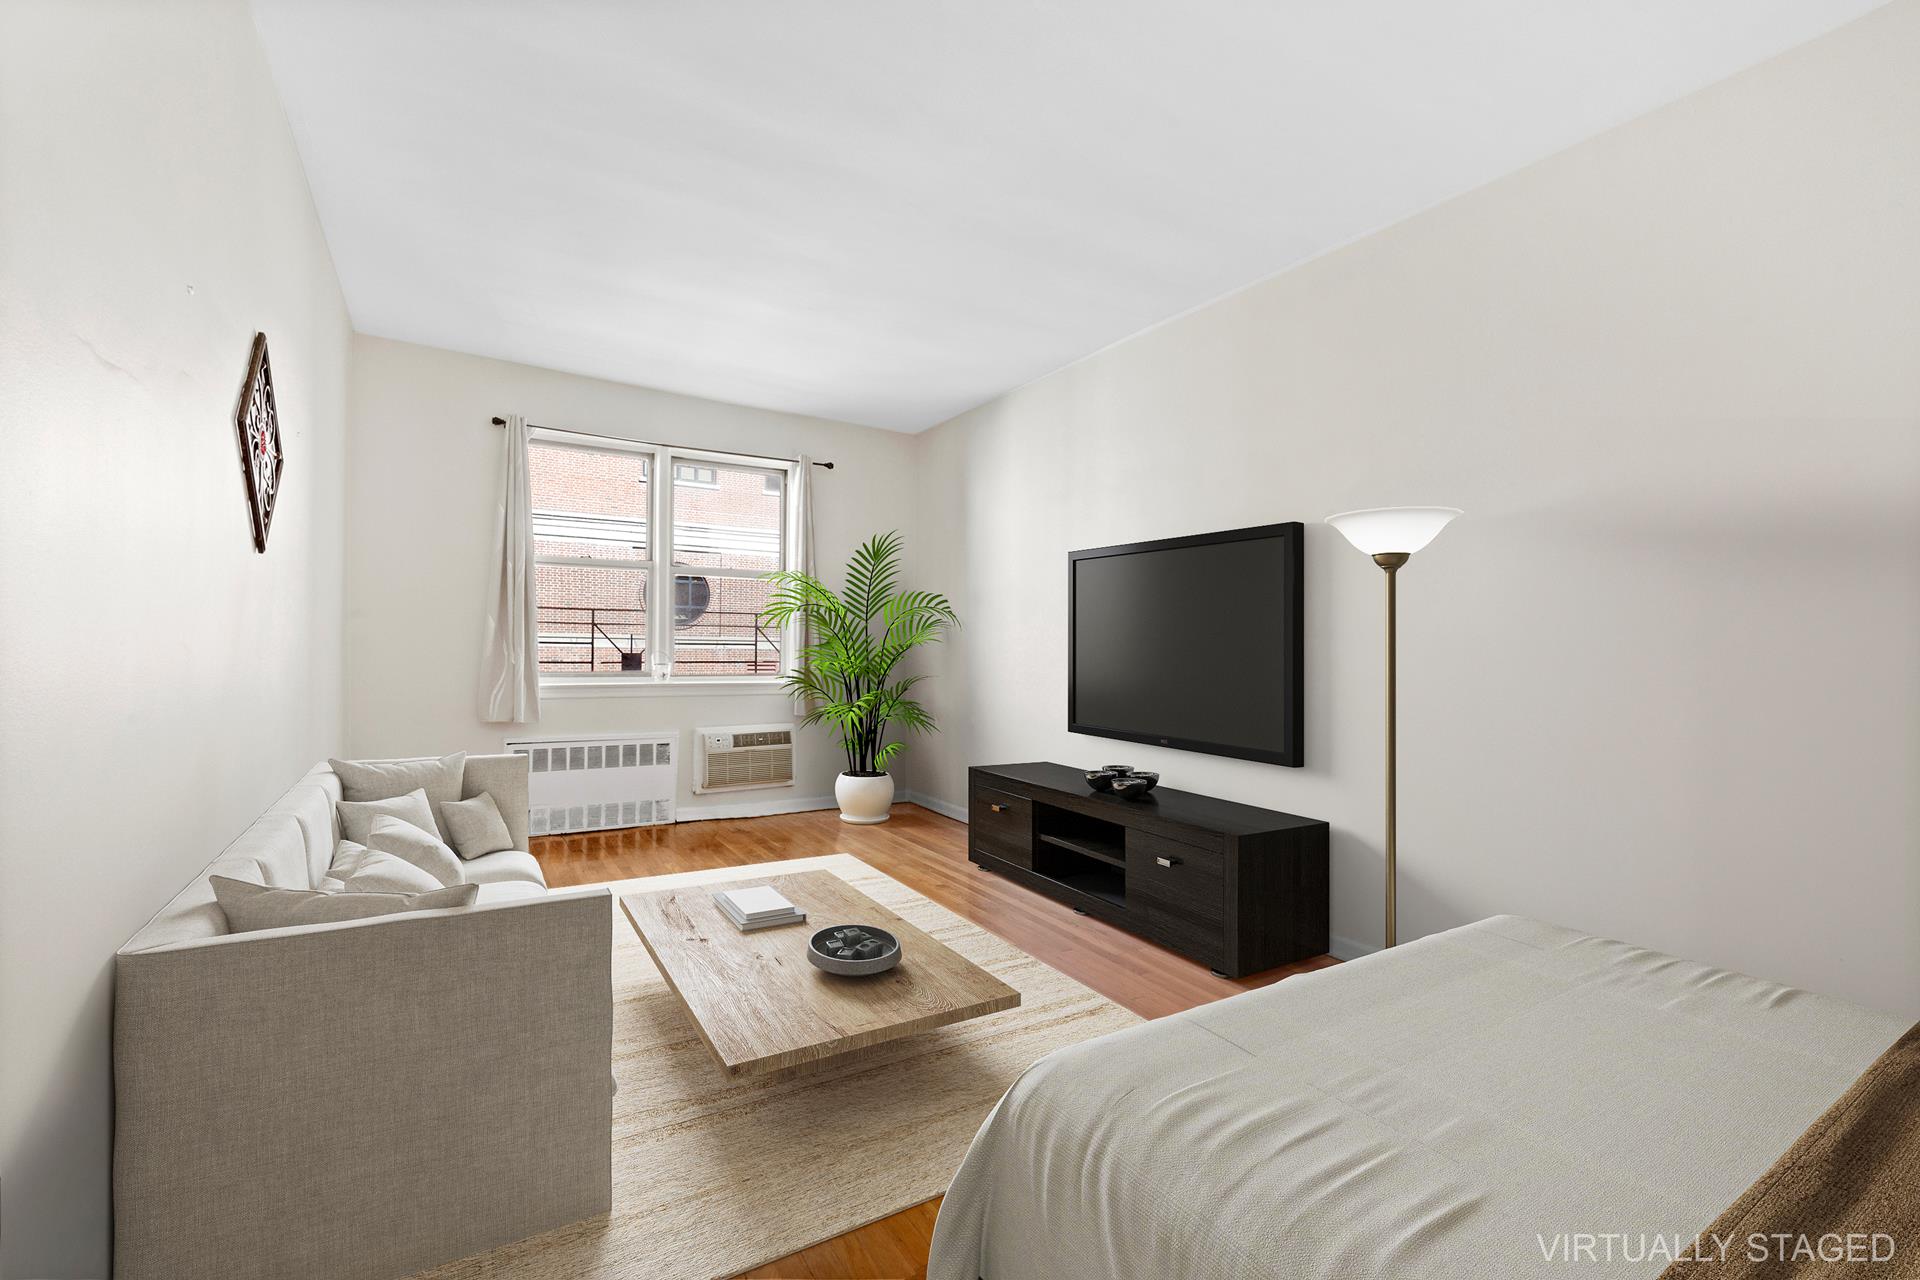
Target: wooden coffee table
point(758, 1003)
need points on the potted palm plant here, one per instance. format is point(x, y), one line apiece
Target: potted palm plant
point(851, 644)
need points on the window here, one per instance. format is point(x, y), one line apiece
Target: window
point(631, 576)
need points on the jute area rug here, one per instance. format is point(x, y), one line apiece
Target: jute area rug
point(713, 1176)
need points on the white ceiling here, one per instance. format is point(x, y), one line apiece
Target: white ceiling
point(888, 211)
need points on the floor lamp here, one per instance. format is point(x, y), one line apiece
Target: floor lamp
point(1391, 535)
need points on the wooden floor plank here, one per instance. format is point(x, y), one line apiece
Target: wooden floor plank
point(928, 853)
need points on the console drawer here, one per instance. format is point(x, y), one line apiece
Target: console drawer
point(1181, 882)
point(1001, 824)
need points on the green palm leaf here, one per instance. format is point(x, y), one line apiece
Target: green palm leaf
point(843, 674)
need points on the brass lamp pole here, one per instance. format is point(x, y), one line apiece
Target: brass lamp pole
point(1391, 535)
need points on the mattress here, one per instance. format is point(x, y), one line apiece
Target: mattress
point(1510, 1098)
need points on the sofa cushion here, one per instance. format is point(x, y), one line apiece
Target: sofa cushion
point(249, 906)
point(356, 816)
point(309, 802)
point(475, 826)
point(362, 780)
point(508, 864)
point(409, 843)
point(375, 871)
point(270, 852)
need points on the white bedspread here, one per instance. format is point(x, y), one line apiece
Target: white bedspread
point(1463, 1105)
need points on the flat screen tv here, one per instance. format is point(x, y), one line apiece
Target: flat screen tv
point(1192, 643)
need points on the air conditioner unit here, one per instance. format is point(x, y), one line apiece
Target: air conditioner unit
point(599, 783)
point(745, 755)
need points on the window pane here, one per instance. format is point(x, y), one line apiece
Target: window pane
point(590, 503)
point(735, 522)
point(591, 619)
point(716, 627)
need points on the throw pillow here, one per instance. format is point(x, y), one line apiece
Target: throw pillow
point(377, 872)
point(346, 855)
point(250, 906)
point(356, 817)
point(384, 779)
point(410, 844)
point(475, 826)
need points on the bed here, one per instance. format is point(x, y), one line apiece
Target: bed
point(1476, 1103)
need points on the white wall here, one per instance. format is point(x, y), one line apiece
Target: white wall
point(1660, 681)
point(162, 683)
point(423, 484)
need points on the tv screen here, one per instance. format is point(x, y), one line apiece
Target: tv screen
point(1193, 643)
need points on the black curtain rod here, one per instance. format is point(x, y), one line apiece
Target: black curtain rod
point(534, 426)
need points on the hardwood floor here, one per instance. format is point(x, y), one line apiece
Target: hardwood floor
point(929, 853)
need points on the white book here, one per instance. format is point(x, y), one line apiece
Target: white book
point(756, 902)
point(764, 922)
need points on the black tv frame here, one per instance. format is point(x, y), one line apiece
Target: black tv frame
point(1289, 659)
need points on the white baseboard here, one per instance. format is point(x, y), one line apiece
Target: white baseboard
point(1349, 948)
point(754, 808)
point(767, 808)
point(958, 812)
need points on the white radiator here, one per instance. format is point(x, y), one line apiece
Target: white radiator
point(598, 783)
point(744, 755)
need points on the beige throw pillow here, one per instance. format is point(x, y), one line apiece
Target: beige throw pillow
point(441, 779)
point(409, 843)
point(372, 871)
point(356, 817)
point(475, 827)
point(250, 906)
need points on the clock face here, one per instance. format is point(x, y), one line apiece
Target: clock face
point(258, 422)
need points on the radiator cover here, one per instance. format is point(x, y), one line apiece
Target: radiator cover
point(599, 782)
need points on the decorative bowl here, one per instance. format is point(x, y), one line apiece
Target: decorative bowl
point(1134, 786)
point(1102, 779)
point(853, 949)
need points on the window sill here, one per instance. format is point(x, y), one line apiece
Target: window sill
point(648, 687)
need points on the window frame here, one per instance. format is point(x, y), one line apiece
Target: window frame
point(662, 567)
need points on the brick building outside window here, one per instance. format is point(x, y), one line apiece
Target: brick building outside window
point(608, 604)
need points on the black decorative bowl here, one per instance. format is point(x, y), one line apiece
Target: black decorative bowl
point(1101, 779)
point(1134, 786)
point(853, 949)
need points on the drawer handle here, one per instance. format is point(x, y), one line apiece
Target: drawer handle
point(998, 808)
point(1167, 862)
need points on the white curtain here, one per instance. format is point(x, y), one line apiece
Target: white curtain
point(802, 537)
point(509, 667)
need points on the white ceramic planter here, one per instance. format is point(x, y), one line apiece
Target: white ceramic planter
point(864, 800)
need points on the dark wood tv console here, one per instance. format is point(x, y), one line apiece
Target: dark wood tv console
point(1237, 888)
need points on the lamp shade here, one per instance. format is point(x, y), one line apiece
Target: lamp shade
point(1383, 530)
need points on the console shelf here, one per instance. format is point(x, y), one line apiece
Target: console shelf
point(1113, 854)
point(1237, 888)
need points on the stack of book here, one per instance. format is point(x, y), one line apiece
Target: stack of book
point(758, 907)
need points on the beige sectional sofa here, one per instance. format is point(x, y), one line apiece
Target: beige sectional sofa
point(366, 1098)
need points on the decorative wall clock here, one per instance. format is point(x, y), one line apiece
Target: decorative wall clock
point(257, 420)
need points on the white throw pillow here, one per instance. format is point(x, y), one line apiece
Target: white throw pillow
point(250, 906)
point(374, 871)
point(346, 854)
point(410, 844)
point(441, 779)
point(356, 817)
point(475, 827)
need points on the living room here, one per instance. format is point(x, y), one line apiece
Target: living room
point(850, 428)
